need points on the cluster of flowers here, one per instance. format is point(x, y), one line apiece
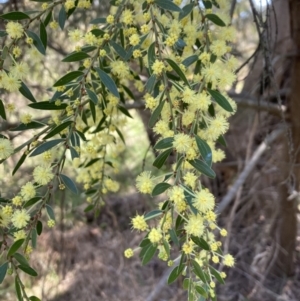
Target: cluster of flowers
point(186, 53)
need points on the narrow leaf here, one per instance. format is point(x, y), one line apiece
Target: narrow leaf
point(46, 105)
point(62, 17)
point(20, 162)
point(108, 82)
point(21, 259)
point(18, 289)
point(28, 126)
point(50, 212)
point(153, 214)
point(160, 188)
point(15, 15)
point(156, 113)
point(28, 270)
point(220, 100)
point(205, 150)
point(92, 95)
point(118, 49)
point(179, 72)
point(203, 168)
point(75, 57)
point(164, 143)
point(215, 19)
point(32, 201)
point(3, 270)
point(43, 34)
point(186, 10)
point(15, 247)
point(168, 5)
point(198, 271)
point(58, 129)
point(26, 92)
point(45, 146)
point(151, 56)
point(69, 183)
point(68, 77)
point(2, 110)
point(37, 42)
point(149, 254)
point(161, 159)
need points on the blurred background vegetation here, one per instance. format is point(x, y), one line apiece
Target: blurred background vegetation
point(256, 185)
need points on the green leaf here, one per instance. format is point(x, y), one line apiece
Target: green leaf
point(217, 275)
point(161, 159)
point(62, 17)
point(168, 5)
point(93, 110)
point(198, 271)
point(222, 140)
point(28, 126)
point(205, 150)
point(34, 298)
point(160, 188)
point(153, 214)
point(108, 82)
point(28, 270)
point(215, 19)
point(174, 237)
point(166, 247)
point(156, 113)
point(220, 100)
point(14, 247)
point(3, 270)
point(18, 289)
point(164, 143)
point(68, 78)
point(45, 146)
point(207, 4)
point(118, 49)
point(186, 283)
point(37, 42)
point(151, 56)
point(179, 72)
point(145, 242)
point(14, 16)
point(43, 34)
point(200, 290)
point(26, 92)
point(69, 183)
point(33, 238)
point(39, 227)
point(199, 241)
point(21, 259)
point(20, 162)
point(76, 56)
point(175, 274)
point(48, 18)
point(50, 212)
point(150, 83)
point(3, 33)
point(124, 111)
point(186, 10)
point(149, 254)
point(32, 201)
point(46, 105)
point(203, 168)
point(2, 110)
point(190, 60)
point(58, 129)
point(98, 21)
point(92, 95)
point(74, 153)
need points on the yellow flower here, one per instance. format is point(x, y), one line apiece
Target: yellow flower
point(10, 82)
point(69, 4)
point(139, 223)
point(223, 232)
point(14, 30)
point(182, 142)
point(28, 191)
point(144, 182)
point(128, 253)
point(134, 39)
point(155, 235)
point(26, 118)
point(204, 201)
point(43, 175)
point(188, 247)
point(51, 223)
point(20, 218)
point(194, 226)
point(6, 148)
point(110, 19)
point(127, 17)
point(228, 260)
point(158, 67)
point(17, 201)
point(19, 235)
point(75, 35)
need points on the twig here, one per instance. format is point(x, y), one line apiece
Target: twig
point(249, 167)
